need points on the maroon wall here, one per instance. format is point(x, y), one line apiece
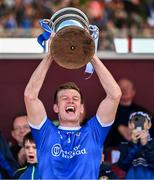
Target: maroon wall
point(14, 75)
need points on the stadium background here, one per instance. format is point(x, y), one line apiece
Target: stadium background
point(15, 73)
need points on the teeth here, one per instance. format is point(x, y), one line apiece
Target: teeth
point(70, 108)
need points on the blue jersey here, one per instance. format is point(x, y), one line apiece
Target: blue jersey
point(70, 153)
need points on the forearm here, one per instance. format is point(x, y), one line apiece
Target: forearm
point(125, 132)
point(108, 106)
point(35, 83)
point(107, 81)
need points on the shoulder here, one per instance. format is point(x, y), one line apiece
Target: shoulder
point(96, 121)
point(137, 107)
point(46, 123)
point(15, 148)
point(20, 171)
point(89, 121)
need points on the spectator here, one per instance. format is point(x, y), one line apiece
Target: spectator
point(120, 131)
point(105, 171)
point(96, 13)
point(30, 171)
point(137, 155)
point(10, 22)
point(8, 165)
point(20, 128)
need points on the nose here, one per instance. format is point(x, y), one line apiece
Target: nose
point(70, 99)
point(30, 150)
point(24, 129)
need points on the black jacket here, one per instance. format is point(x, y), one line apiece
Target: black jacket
point(8, 165)
point(136, 154)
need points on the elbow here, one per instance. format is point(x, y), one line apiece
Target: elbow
point(28, 96)
point(117, 94)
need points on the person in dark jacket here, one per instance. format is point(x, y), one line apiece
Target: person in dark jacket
point(137, 155)
point(8, 165)
point(20, 127)
point(30, 171)
point(105, 170)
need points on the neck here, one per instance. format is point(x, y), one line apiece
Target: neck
point(20, 144)
point(69, 124)
point(125, 103)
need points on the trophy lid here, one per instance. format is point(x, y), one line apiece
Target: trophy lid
point(71, 13)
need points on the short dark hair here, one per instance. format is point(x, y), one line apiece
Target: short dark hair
point(28, 137)
point(15, 117)
point(68, 85)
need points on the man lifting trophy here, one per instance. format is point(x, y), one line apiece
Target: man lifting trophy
point(71, 150)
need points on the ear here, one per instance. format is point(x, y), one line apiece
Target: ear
point(134, 92)
point(55, 108)
point(82, 108)
point(13, 134)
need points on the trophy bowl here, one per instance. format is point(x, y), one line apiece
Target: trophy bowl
point(72, 47)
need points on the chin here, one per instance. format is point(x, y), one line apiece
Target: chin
point(31, 162)
point(71, 119)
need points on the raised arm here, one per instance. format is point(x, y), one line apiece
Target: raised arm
point(108, 107)
point(35, 108)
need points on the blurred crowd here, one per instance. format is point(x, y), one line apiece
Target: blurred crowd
point(115, 18)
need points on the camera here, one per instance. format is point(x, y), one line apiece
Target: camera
point(138, 119)
point(138, 122)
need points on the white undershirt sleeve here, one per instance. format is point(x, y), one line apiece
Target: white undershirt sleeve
point(104, 124)
point(38, 126)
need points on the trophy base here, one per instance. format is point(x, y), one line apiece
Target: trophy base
point(72, 47)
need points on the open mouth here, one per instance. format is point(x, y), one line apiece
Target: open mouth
point(70, 109)
point(31, 157)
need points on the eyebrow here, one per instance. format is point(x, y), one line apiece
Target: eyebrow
point(65, 95)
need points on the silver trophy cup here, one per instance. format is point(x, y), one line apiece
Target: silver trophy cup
point(72, 47)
